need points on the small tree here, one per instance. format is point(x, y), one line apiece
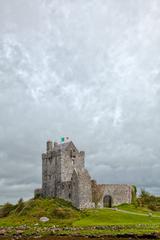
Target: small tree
point(146, 199)
point(144, 194)
point(134, 195)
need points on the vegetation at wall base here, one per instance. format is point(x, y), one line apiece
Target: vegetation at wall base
point(148, 200)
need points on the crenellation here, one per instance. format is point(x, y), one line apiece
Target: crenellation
point(49, 146)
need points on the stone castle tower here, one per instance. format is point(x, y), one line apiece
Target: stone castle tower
point(64, 176)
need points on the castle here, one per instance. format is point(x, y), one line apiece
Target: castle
point(64, 176)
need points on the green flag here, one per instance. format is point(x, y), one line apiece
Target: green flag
point(62, 139)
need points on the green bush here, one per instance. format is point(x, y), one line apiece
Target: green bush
point(147, 200)
point(6, 209)
point(38, 195)
point(20, 206)
point(152, 207)
point(134, 195)
point(63, 213)
point(25, 210)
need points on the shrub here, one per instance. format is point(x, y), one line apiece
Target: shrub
point(63, 213)
point(37, 195)
point(134, 195)
point(25, 210)
point(20, 206)
point(148, 200)
point(6, 209)
point(152, 207)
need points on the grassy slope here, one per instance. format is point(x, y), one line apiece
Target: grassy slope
point(57, 210)
point(112, 217)
point(132, 208)
point(62, 213)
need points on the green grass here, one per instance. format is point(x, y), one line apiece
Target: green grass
point(138, 210)
point(127, 219)
point(57, 210)
point(133, 208)
point(102, 217)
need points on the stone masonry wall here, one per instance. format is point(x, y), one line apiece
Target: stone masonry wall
point(120, 193)
point(51, 173)
point(66, 190)
point(68, 164)
point(85, 192)
point(75, 189)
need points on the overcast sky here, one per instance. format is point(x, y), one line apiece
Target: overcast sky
point(87, 69)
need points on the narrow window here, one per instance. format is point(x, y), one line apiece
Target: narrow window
point(50, 160)
point(71, 154)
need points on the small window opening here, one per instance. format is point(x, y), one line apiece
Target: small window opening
point(72, 153)
point(73, 161)
point(50, 160)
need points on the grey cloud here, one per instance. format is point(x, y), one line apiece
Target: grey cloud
point(88, 70)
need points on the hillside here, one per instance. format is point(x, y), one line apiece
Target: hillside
point(123, 215)
point(124, 219)
point(61, 212)
point(57, 210)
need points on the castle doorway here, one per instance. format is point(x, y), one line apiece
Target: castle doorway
point(107, 201)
